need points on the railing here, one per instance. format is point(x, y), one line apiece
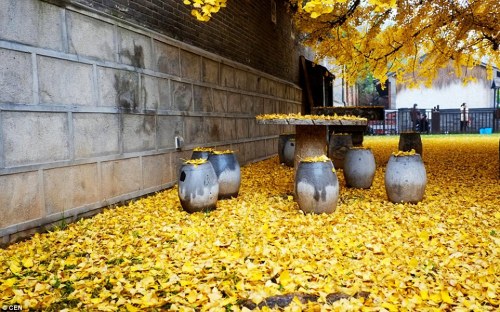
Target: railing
point(445, 121)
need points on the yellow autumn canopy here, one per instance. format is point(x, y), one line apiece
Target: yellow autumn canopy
point(412, 39)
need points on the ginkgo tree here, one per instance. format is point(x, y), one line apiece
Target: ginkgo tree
point(410, 38)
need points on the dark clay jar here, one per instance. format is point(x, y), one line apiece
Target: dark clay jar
point(286, 149)
point(200, 154)
point(227, 169)
point(198, 187)
point(316, 187)
point(359, 168)
point(337, 148)
point(405, 179)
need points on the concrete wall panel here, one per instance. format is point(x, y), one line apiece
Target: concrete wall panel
point(260, 149)
point(247, 104)
point(90, 37)
point(269, 106)
point(258, 106)
point(242, 128)
point(167, 58)
point(253, 127)
point(228, 129)
point(240, 79)
point(190, 65)
point(150, 92)
point(165, 101)
point(239, 151)
point(249, 150)
point(203, 99)
point(210, 71)
point(234, 102)
point(182, 96)
point(120, 177)
point(263, 86)
point(32, 138)
point(157, 170)
point(195, 130)
point(271, 146)
point(214, 129)
point(20, 199)
point(252, 82)
point(139, 132)
point(135, 49)
point(227, 76)
point(96, 135)
point(220, 100)
point(168, 128)
point(69, 187)
point(63, 82)
point(31, 22)
point(119, 88)
point(16, 78)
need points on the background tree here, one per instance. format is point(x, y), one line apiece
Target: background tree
point(367, 92)
point(412, 38)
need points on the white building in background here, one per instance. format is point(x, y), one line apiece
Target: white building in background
point(448, 91)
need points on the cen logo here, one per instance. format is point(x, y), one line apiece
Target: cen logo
point(12, 307)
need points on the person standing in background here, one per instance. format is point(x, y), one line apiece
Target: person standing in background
point(464, 117)
point(415, 117)
point(424, 124)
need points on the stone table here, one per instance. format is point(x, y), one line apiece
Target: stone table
point(311, 134)
point(369, 112)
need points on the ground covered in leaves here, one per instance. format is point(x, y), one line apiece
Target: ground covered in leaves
point(440, 254)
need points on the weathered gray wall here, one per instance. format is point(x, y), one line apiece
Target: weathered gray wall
point(90, 106)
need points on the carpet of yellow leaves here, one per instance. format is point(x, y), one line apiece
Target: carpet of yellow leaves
point(440, 254)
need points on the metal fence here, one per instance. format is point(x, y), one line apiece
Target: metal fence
point(444, 121)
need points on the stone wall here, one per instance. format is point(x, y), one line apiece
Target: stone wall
point(90, 105)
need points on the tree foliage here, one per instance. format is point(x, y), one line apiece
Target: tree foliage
point(410, 38)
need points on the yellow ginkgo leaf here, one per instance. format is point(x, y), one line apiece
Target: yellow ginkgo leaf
point(413, 263)
point(10, 282)
point(131, 308)
point(14, 268)
point(285, 278)
point(391, 307)
point(27, 262)
point(445, 296)
point(188, 267)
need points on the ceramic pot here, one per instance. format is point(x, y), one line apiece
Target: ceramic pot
point(409, 141)
point(200, 154)
point(316, 187)
point(405, 179)
point(359, 168)
point(198, 187)
point(286, 149)
point(227, 169)
point(337, 148)
point(289, 152)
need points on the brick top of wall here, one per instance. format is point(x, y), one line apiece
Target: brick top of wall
point(243, 32)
